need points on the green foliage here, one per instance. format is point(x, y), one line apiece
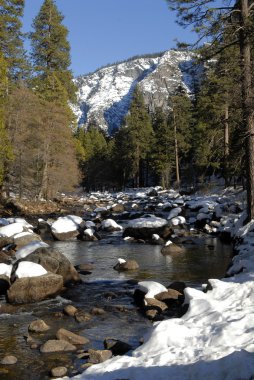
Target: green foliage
point(162, 152)
point(51, 53)
point(139, 128)
point(5, 147)
point(11, 37)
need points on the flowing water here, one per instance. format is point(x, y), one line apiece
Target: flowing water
point(205, 257)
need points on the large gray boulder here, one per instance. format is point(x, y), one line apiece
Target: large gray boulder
point(55, 262)
point(145, 228)
point(34, 289)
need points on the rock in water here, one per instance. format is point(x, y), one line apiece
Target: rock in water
point(34, 289)
point(38, 326)
point(57, 345)
point(55, 262)
point(70, 337)
point(9, 359)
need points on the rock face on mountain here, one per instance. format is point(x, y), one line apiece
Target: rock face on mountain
point(104, 96)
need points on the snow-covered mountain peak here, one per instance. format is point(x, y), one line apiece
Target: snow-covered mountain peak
point(104, 96)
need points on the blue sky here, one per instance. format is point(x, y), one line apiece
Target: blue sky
point(105, 31)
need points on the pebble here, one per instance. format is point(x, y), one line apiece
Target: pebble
point(9, 359)
point(59, 371)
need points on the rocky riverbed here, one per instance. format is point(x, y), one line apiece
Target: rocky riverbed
point(163, 223)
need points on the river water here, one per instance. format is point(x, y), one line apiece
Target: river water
point(205, 257)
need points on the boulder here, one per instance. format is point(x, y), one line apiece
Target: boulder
point(170, 297)
point(82, 316)
point(34, 289)
point(66, 227)
point(126, 265)
point(38, 326)
point(9, 359)
point(99, 356)
point(117, 347)
point(59, 371)
point(177, 285)
point(44, 230)
point(56, 346)
point(55, 262)
point(5, 258)
point(70, 310)
point(4, 283)
point(70, 337)
point(4, 241)
point(172, 249)
point(156, 304)
point(117, 208)
point(145, 228)
point(24, 238)
point(110, 225)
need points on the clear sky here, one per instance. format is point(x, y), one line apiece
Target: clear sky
point(106, 31)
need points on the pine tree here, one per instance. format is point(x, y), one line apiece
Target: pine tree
point(5, 147)
point(139, 124)
point(180, 120)
point(11, 37)
point(162, 153)
point(234, 21)
point(51, 54)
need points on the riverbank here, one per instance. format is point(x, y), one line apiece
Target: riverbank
point(176, 343)
point(213, 340)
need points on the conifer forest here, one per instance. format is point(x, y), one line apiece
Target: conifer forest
point(202, 134)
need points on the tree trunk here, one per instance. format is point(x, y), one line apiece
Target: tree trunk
point(248, 124)
point(226, 142)
point(176, 152)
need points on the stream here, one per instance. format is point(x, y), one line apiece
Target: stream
point(205, 257)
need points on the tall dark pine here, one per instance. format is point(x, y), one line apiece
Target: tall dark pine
point(51, 53)
point(11, 37)
point(235, 21)
point(140, 131)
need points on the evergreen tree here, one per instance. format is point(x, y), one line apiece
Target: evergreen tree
point(139, 126)
point(236, 22)
point(180, 120)
point(162, 153)
point(5, 147)
point(51, 54)
point(44, 155)
point(11, 37)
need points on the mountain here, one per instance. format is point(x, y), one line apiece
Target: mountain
point(104, 96)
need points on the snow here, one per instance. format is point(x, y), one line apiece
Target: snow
point(178, 220)
point(5, 269)
point(151, 222)
point(11, 229)
point(151, 288)
point(88, 232)
point(29, 269)
point(29, 248)
point(110, 223)
point(121, 261)
point(66, 224)
point(213, 340)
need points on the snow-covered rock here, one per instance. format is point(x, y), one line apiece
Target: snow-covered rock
point(151, 222)
point(29, 269)
point(29, 248)
point(11, 229)
point(66, 227)
point(151, 288)
point(5, 270)
point(110, 225)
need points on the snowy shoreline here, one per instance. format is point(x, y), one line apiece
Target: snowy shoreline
point(213, 340)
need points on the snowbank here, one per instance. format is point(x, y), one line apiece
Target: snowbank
point(214, 339)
